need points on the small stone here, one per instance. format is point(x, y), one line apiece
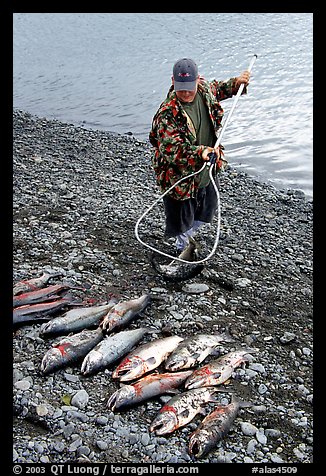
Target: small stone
point(145, 439)
point(195, 288)
point(75, 444)
point(272, 433)
point(261, 437)
point(287, 337)
point(248, 429)
point(242, 282)
point(59, 446)
point(80, 399)
point(23, 384)
point(83, 450)
point(257, 367)
point(276, 458)
point(42, 410)
point(251, 446)
point(101, 420)
point(102, 445)
point(262, 389)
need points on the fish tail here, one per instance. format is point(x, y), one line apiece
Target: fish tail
point(227, 337)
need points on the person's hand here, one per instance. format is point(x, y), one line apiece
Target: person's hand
point(208, 150)
point(243, 78)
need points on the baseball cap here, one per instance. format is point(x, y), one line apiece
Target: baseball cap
point(185, 73)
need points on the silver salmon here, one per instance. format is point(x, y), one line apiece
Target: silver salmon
point(70, 350)
point(219, 370)
point(123, 313)
point(41, 295)
point(39, 312)
point(181, 409)
point(145, 388)
point(77, 319)
point(145, 358)
point(33, 284)
point(111, 349)
point(194, 350)
point(213, 428)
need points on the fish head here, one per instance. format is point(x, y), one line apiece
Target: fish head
point(51, 360)
point(165, 422)
point(129, 369)
point(91, 362)
point(199, 443)
point(47, 327)
point(121, 398)
point(176, 362)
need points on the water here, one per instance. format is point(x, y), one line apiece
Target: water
point(110, 71)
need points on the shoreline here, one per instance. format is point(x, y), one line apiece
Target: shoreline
point(77, 196)
point(139, 138)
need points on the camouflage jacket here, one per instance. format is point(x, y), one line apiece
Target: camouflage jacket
point(176, 153)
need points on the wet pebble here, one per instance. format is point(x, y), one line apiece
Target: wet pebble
point(195, 288)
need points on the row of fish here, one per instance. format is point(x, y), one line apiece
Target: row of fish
point(182, 408)
point(102, 351)
point(33, 302)
point(98, 342)
point(99, 350)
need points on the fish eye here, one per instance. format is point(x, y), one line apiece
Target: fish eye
point(216, 375)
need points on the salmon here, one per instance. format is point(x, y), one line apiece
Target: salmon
point(77, 319)
point(41, 295)
point(111, 349)
point(70, 349)
point(213, 428)
point(33, 284)
point(147, 387)
point(193, 350)
point(39, 312)
point(145, 358)
point(123, 313)
point(181, 409)
point(218, 371)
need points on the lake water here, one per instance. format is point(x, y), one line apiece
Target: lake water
point(110, 71)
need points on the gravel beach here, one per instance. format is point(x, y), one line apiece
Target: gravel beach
point(77, 196)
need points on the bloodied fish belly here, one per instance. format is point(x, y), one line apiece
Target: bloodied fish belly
point(70, 350)
point(181, 409)
point(145, 388)
point(145, 358)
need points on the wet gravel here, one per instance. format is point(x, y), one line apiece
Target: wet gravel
point(77, 196)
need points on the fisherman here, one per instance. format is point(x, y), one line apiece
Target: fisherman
point(184, 132)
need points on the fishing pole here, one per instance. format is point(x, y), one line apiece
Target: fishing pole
point(210, 163)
